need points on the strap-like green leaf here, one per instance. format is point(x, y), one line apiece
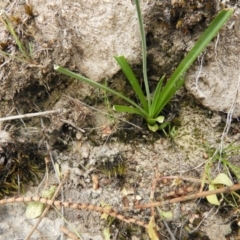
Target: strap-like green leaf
point(121, 60)
point(165, 98)
point(156, 97)
point(174, 83)
point(122, 108)
point(98, 85)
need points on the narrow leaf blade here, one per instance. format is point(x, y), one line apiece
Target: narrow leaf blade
point(121, 60)
point(151, 229)
point(212, 30)
point(166, 94)
point(126, 109)
point(96, 84)
point(156, 97)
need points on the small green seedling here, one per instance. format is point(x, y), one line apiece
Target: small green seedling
point(35, 209)
point(221, 179)
point(223, 156)
point(171, 132)
point(150, 108)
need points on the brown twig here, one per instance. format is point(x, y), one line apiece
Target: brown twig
point(194, 180)
point(187, 197)
point(68, 233)
point(154, 184)
point(153, 189)
point(41, 235)
point(72, 205)
point(113, 212)
point(48, 207)
point(180, 191)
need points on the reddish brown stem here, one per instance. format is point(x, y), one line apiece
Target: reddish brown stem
point(113, 212)
point(188, 197)
point(72, 205)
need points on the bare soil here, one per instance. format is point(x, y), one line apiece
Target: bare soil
point(113, 158)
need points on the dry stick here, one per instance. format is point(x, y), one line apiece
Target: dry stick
point(158, 179)
point(73, 205)
point(203, 219)
point(153, 188)
point(41, 235)
point(63, 226)
point(57, 176)
point(48, 207)
point(73, 125)
point(30, 115)
point(55, 170)
point(168, 229)
point(114, 213)
point(187, 197)
point(195, 180)
point(179, 192)
point(68, 233)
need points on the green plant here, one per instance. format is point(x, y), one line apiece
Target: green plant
point(221, 179)
point(221, 156)
point(150, 108)
point(26, 55)
point(172, 132)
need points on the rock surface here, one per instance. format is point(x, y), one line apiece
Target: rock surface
point(215, 80)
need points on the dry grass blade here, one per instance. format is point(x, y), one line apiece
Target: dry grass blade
point(28, 115)
point(11, 30)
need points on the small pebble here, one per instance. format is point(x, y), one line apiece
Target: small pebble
point(85, 150)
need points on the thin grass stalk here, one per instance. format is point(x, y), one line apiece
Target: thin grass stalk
point(10, 28)
point(144, 52)
point(14, 57)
